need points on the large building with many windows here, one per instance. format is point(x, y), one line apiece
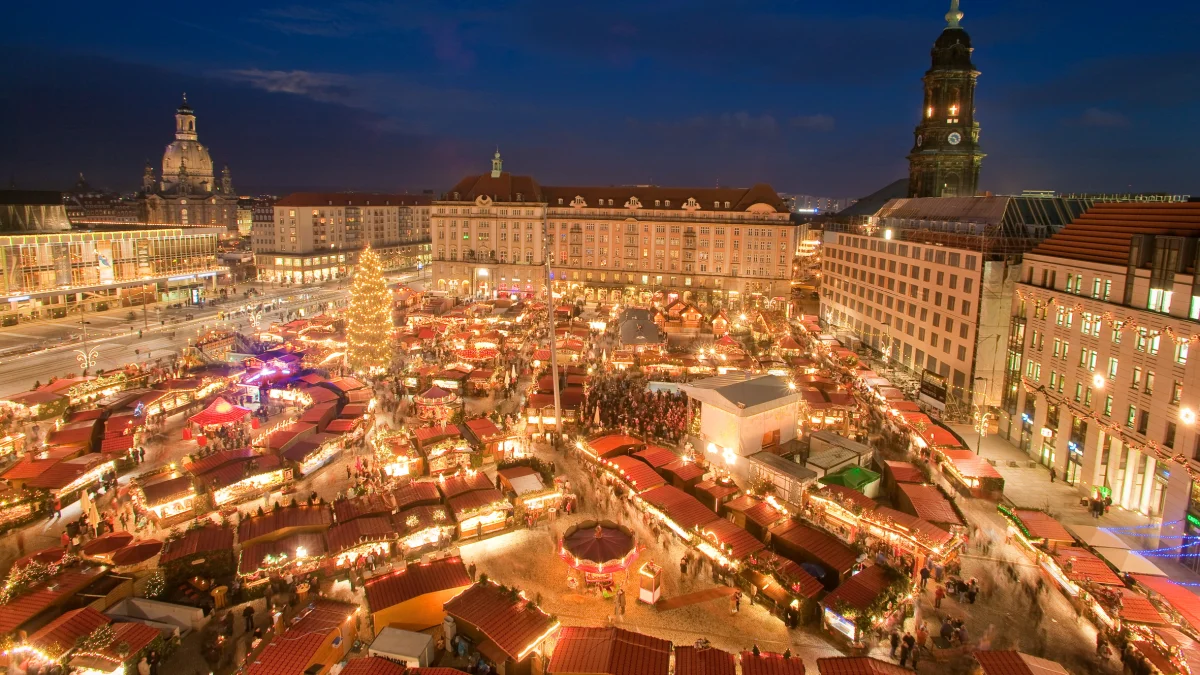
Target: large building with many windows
point(315, 236)
point(1101, 384)
point(926, 282)
point(720, 246)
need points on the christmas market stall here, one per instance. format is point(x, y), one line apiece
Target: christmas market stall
point(863, 602)
point(436, 404)
point(450, 454)
point(17, 507)
point(220, 414)
point(597, 550)
point(528, 486)
point(818, 552)
point(411, 598)
point(361, 537)
point(415, 493)
point(479, 512)
point(291, 537)
point(313, 452)
point(116, 649)
point(501, 623)
point(170, 498)
point(234, 476)
point(423, 527)
point(498, 445)
point(197, 560)
point(970, 473)
point(678, 510)
point(397, 455)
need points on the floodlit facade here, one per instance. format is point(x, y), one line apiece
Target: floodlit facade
point(1103, 378)
point(318, 236)
point(716, 245)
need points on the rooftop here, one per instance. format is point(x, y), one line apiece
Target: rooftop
point(1104, 233)
point(742, 394)
point(327, 199)
point(609, 650)
point(291, 652)
point(414, 581)
point(506, 618)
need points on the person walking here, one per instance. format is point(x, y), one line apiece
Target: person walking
point(895, 642)
point(1053, 474)
point(938, 594)
point(248, 618)
point(906, 647)
point(924, 577)
point(471, 572)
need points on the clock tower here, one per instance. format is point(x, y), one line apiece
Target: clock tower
point(945, 157)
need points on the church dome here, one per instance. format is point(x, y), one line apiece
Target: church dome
point(952, 49)
point(187, 154)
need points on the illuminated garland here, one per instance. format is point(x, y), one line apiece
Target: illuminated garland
point(1015, 519)
point(1112, 429)
point(1128, 323)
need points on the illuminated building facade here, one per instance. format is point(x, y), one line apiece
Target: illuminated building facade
point(718, 245)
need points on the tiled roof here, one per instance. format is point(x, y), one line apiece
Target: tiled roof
point(342, 425)
point(318, 412)
point(291, 652)
point(474, 500)
point(464, 483)
point(635, 472)
point(515, 626)
point(858, 665)
point(375, 665)
point(1042, 526)
point(609, 650)
point(684, 470)
point(799, 580)
point(320, 394)
point(1084, 566)
point(335, 199)
point(612, 443)
point(66, 471)
point(502, 188)
point(358, 531)
point(707, 661)
point(43, 596)
point(278, 439)
point(822, 546)
point(67, 628)
point(31, 467)
point(860, 590)
point(1104, 233)
point(253, 555)
point(715, 490)
point(771, 663)
point(416, 492)
point(482, 428)
point(846, 495)
point(426, 517)
point(315, 517)
point(196, 541)
point(763, 514)
point(374, 504)
point(1016, 663)
point(883, 514)
point(679, 506)
point(1137, 608)
point(238, 470)
point(904, 472)
point(739, 199)
point(426, 435)
point(656, 456)
point(736, 541)
point(414, 581)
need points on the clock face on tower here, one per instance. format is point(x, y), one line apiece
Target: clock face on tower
point(954, 138)
point(920, 140)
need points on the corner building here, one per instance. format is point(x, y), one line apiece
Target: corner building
point(1102, 384)
point(721, 246)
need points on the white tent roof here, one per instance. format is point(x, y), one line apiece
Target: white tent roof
point(401, 644)
point(1095, 536)
point(1129, 561)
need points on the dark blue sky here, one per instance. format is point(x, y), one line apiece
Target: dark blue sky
point(817, 98)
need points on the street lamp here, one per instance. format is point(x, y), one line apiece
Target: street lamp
point(981, 417)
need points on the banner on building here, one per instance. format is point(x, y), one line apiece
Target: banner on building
point(933, 390)
point(104, 261)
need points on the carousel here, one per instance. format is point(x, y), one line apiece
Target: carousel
point(598, 549)
point(436, 403)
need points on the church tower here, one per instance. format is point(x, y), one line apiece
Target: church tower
point(945, 157)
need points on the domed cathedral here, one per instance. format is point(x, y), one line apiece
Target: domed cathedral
point(188, 192)
point(945, 157)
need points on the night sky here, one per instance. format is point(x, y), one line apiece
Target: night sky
point(814, 98)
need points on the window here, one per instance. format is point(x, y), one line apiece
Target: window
point(1078, 392)
point(1112, 367)
point(1149, 388)
point(1108, 401)
point(1143, 421)
point(1131, 417)
point(1160, 300)
point(1181, 351)
point(1169, 437)
point(1137, 378)
point(1176, 392)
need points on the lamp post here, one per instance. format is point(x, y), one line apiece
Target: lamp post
point(981, 417)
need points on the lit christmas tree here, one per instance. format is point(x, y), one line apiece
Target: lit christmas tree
point(369, 329)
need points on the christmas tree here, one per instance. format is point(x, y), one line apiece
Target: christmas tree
point(369, 329)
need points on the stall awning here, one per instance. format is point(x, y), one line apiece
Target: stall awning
point(219, 412)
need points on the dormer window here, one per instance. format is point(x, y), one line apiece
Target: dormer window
point(726, 204)
point(716, 205)
point(657, 202)
point(668, 203)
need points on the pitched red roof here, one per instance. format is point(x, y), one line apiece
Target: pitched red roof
point(771, 663)
point(1042, 526)
point(483, 428)
point(860, 590)
point(707, 661)
point(463, 483)
point(65, 472)
point(43, 596)
point(1104, 233)
point(845, 495)
point(436, 433)
point(414, 581)
point(116, 444)
point(475, 499)
point(1084, 566)
point(684, 470)
point(635, 472)
point(933, 533)
point(679, 506)
point(612, 443)
point(317, 517)
point(858, 665)
point(822, 546)
point(614, 651)
point(799, 580)
point(764, 515)
point(375, 665)
point(31, 467)
point(198, 541)
point(656, 456)
point(291, 652)
point(162, 491)
point(373, 504)
point(1016, 663)
point(238, 470)
point(217, 460)
point(219, 411)
point(515, 626)
point(67, 628)
point(716, 490)
point(1137, 608)
point(416, 492)
point(349, 534)
point(736, 541)
point(904, 472)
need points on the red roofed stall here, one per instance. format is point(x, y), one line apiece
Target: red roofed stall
point(322, 636)
point(505, 626)
point(610, 651)
point(412, 598)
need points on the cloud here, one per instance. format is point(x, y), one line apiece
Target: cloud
point(323, 87)
point(1097, 117)
point(818, 122)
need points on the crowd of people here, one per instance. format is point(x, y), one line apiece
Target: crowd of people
point(625, 401)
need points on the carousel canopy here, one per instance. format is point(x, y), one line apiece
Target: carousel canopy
point(219, 412)
point(437, 395)
point(597, 543)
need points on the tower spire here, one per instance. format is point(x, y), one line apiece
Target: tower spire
point(497, 164)
point(954, 15)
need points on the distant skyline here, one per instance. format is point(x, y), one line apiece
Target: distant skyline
point(822, 99)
